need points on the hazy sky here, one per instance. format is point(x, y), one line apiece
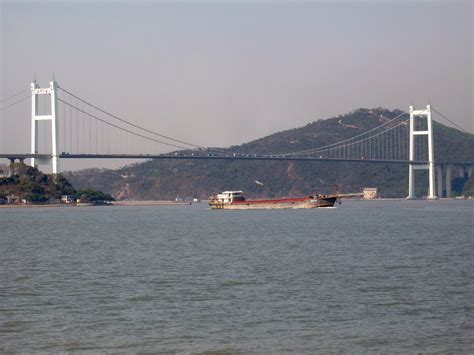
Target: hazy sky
point(223, 73)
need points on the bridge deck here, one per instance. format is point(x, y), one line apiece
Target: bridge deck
point(220, 157)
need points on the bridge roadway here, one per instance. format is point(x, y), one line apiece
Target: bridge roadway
point(211, 156)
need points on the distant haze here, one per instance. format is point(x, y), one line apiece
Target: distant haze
point(219, 74)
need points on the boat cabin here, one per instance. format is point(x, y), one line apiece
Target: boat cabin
point(230, 196)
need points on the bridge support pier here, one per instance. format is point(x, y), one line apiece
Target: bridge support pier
point(440, 180)
point(469, 171)
point(411, 183)
point(11, 166)
point(449, 168)
point(11, 169)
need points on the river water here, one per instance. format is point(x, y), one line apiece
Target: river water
point(372, 276)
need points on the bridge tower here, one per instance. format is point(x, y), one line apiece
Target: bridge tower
point(416, 114)
point(51, 91)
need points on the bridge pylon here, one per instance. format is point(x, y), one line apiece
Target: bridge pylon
point(416, 114)
point(35, 118)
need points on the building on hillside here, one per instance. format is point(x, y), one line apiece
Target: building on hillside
point(68, 198)
point(4, 171)
point(13, 200)
point(370, 193)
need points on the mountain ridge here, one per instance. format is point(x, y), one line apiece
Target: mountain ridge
point(167, 179)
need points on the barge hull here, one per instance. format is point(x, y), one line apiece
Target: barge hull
point(299, 203)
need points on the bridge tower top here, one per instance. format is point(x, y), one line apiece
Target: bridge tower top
point(416, 114)
point(35, 118)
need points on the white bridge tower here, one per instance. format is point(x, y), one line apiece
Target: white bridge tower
point(51, 91)
point(416, 114)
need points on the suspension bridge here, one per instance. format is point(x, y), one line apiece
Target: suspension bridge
point(66, 126)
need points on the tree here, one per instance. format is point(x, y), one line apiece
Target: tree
point(31, 184)
point(90, 195)
point(35, 198)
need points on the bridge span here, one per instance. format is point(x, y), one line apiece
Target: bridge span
point(178, 156)
point(77, 129)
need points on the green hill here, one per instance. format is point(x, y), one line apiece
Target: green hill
point(30, 184)
point(166, 179)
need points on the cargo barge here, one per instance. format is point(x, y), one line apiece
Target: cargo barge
point(235, 200)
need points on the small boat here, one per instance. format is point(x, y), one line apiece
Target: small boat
point(235, 200)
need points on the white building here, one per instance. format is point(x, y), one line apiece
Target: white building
point(370, 193)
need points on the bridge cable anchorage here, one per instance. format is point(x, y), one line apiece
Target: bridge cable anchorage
point(14, 103)
point(318, 149)
point(446, 118)
point(120, 128)
point(14, 95)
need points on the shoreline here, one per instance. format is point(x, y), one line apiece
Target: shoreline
point(115, 203)
point(173, 203)
point(149, 203)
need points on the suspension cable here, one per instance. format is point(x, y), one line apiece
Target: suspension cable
point(15, 95)
point(14, 103)
point(362, 140)
point(460, 128)
point(340, 144)
point(134, 125)
point(327, 148)
point(121, 128)
point(315, 150)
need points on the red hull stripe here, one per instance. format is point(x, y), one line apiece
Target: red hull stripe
point(282, 200)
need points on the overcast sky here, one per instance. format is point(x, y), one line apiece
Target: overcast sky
point(224, 73)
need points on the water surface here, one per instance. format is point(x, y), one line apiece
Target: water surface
point(394, 276)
